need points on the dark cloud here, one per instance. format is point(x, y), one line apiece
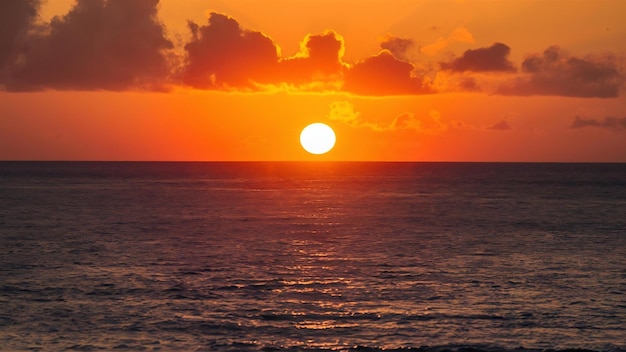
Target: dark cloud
point(555, 72)
point(501, 125)
point(383, 74)
point(222, 54)
point(319, 60)
point(16, 16)
point(609, 123)
point(397, 46)
point(98, 44)
point(121, 44)
point(491, 59)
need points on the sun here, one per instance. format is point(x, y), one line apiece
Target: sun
point(317, 138)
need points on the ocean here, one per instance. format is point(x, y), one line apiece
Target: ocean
point(312, 256)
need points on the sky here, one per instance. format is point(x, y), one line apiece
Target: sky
point(402, 80)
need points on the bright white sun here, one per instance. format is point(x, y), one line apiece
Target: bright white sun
point(317, 138)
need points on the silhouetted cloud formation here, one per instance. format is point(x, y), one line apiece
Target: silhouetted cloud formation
point(383, 74)
point(121, 45)
point(222, 54)
point(16, 16)
point(491, 59)
point(99, 44)
point(609, 123)
point(319, 60)
point(555, 72)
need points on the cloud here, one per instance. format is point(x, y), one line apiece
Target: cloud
point(501, 125)
point(16, 16)
point(405, 121)
point(491, 59)
point(121, 45)
point(447, 81)
point(462, 35)
point(469, 84)
point(459, 35)
point(221, 54)
point(319, 60)
point(104, 44)
point(427, 124)
point(383, 74)
point(398, 47)
point(609, 123)
point(345, 112)
point(555, 72)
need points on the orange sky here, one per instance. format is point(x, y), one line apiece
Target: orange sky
point(436, 80)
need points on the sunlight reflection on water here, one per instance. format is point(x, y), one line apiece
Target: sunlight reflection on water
point(377, 257)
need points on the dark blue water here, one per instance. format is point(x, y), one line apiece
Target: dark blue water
point(312, 256)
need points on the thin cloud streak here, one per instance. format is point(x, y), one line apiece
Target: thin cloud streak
point(610, 123)
point(501, 125)
point(345, 112)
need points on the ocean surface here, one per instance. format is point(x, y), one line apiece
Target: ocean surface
point(282, 256)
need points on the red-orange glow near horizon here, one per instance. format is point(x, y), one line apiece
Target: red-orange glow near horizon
point(431, 80)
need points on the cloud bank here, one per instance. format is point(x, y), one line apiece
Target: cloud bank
point(99, 44)
point(16, 17)
point(221, 54)
point(122, 45)
point(556, 72)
